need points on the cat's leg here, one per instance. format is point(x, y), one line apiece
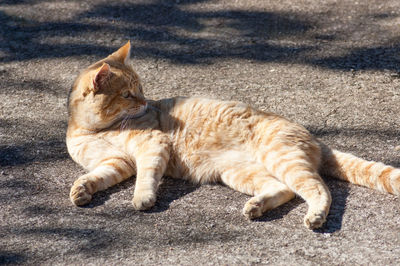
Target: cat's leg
point(272, 195)
point(309, 185)
point(107, 173)
point(106, 164)
point(152, 155)
point(298, 170)
point(253, 179)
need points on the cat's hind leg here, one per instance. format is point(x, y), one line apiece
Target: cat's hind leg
point(253, 179)
point(297, 168)
point(272, 195)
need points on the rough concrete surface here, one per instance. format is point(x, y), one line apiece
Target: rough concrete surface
point(331, 65)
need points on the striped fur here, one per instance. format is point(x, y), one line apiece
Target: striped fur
point(115, 133)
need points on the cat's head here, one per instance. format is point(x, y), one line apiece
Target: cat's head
point(106, 92)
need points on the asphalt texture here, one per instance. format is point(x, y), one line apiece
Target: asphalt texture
point(331, 65)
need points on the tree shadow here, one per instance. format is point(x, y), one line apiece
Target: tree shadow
point(9, 81)
point(23, 151)
point(365, 133)
point(20, 39)
point(347, 131)
point(241, 34)
point(11, 258)
point(31, 152)
point(18, 2)
point(168, 30)
point(40, 210)
point(84, 239)
point(14, 188)
point(384, 58)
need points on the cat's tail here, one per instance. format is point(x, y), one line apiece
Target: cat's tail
point(358, 171)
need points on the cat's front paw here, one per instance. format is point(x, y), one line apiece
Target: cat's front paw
point(143, 201)
point(314, 220)
point(80, 195)
point(253, 208)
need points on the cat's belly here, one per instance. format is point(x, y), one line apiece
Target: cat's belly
point(197, 167)
point(181, 167)
point(204, 133)
point(206, 166)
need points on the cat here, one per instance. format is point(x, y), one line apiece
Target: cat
point(115, 132)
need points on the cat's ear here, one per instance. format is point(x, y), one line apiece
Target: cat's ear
point(101, 75)
point(123, 54)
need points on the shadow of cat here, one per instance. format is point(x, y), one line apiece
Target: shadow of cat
point(339, 192)
point(99, 198)
point(280, 212)
point(172, 189)
point(169, 190)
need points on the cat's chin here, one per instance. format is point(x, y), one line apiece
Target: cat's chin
point(140, 113)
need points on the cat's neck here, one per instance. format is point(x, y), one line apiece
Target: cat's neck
point(78, 129)
point(79, 125)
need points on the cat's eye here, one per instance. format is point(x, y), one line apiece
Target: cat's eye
point(126, 94)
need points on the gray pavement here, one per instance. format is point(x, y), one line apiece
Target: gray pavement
point(333, 66)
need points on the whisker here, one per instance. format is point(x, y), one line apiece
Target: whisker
point(124, 123)
point(137, 113)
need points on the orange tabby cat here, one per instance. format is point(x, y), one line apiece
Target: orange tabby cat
point(115, 133)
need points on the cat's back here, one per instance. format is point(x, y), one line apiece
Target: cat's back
point(198, 114)
point(213, 124)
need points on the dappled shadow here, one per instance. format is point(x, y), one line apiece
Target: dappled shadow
point(43, 210)
point(11, 258)
point(241, 34)
point(10, 82)
point(360, 132)
point(169, 30)
point(364, 58)
point(31, 152)
point(21, 39)
point(39, 146)
point(94, 239)
point(91, 240)
point(12, 188)
point(17, 2)
point(213, 34)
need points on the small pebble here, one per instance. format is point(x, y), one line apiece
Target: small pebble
point(397, 148)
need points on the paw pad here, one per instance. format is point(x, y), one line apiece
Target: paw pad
point(80, 195)
point(253, 209)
